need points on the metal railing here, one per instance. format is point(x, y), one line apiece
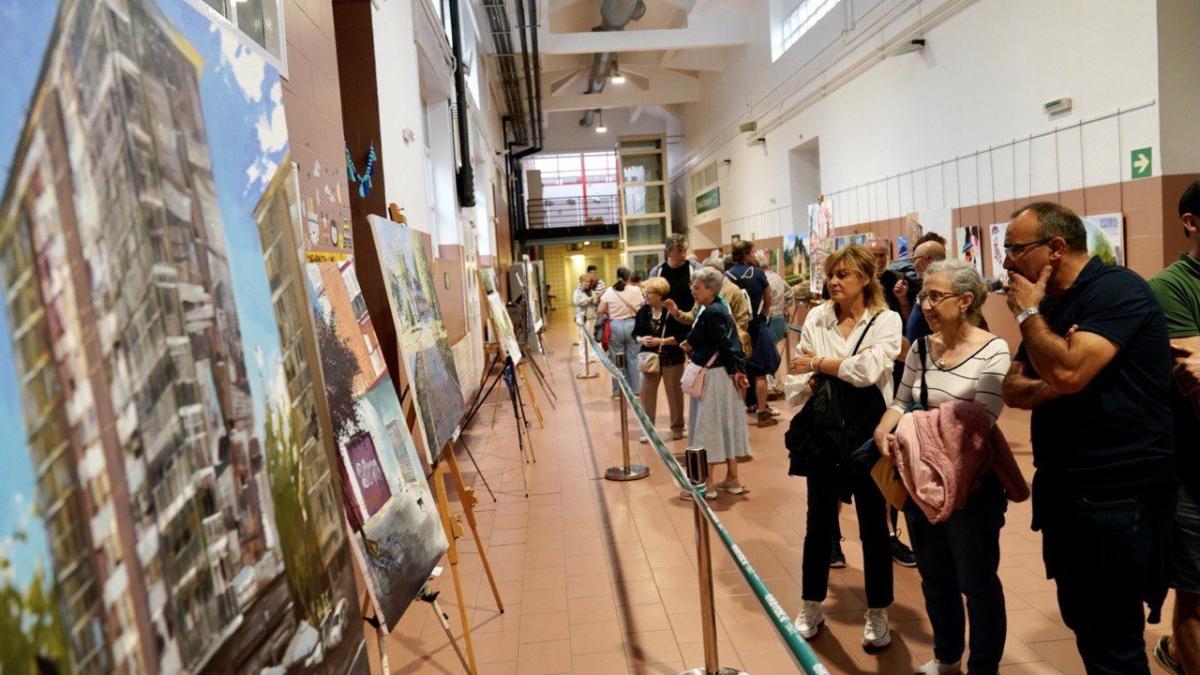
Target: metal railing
point(693, 481)
point(573, 211)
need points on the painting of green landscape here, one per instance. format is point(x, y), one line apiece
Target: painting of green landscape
point(424, 347)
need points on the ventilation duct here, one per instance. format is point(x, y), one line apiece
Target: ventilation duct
point(614, 16)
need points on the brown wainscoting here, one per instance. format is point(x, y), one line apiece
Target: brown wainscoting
point(1153, 236)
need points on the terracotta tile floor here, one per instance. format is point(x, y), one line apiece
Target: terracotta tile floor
point(600, 577)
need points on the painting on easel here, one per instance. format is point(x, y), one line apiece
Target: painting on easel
point(424, 347)
point(396, 532)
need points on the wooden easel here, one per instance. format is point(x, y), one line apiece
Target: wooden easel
point(453, 527)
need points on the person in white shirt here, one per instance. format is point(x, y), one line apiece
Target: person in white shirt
point(960, 556)
point(853, 339)
point(585, 300)
point(621, 303)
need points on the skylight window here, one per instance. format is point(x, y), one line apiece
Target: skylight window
point(798, 22)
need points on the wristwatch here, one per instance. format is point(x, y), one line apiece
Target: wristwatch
point(1026, 313)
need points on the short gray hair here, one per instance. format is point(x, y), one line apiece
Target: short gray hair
point(711, 278)
point(964, 278)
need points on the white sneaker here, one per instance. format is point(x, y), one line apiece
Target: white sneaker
point(876, 635)
point(810, 619)
point(643, 439)
point(935, 667)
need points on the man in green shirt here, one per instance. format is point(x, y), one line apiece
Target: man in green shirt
point(1178, 291)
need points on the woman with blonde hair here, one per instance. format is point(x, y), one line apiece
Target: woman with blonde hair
point(842, 376)
point(661, 359)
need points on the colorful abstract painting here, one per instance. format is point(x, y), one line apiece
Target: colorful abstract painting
point(970, 246)
point(424, 346)
point(169, 504)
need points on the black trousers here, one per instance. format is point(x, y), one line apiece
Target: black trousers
point(872, 530)
point(1099, 554)
point(959, 557)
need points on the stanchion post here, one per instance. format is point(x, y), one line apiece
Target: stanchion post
point(696, 462)
point(587, 373)
point(627, 470)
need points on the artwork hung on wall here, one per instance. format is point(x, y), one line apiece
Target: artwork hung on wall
point(845, 240)
point(797, 266)
point(820, 219)
point(970, 246)
point(396, 532)
point(1106, 237)
point(770, 257)
point(424, 347)
point(937, 221)
point(133, 268)
point(996, 233)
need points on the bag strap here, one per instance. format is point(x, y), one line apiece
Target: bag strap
point(664, 318)
point(921, 350)
point(864, 333)
point(623, 300)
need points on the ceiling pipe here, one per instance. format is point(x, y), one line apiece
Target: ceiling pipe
point(464, 178)
point(614, 16)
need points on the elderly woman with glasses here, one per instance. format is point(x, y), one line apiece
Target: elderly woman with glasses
point(960, 555)
point(715, 420)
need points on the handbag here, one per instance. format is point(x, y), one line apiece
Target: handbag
point(829, 430)
point(692, 381)
point(648, 362)
point(884, 473)
point(602, 332)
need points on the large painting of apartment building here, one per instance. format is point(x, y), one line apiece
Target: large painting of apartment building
point(178, 508)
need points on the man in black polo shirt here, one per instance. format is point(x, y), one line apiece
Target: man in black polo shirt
point(677, 270)
point(1095, 368)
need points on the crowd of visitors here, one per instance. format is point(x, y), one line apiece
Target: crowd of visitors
point(899, 386)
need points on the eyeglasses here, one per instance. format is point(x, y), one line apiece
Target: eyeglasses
point(1014, 250)
point(935, 297)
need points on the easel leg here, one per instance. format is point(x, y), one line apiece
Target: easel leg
point(532, 396)
point(439, 488)
point(476, 465)
point(545, 355)
point(468, 499)
point(510, 382)
point(522, 420)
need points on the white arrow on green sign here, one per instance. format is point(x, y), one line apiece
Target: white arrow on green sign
point(1140, 162)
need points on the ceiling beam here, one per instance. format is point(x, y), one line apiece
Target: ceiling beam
point(664, 87)
point(716, 25)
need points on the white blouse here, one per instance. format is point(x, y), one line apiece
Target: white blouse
point(872, 365)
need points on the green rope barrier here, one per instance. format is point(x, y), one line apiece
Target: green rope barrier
point(799, 648)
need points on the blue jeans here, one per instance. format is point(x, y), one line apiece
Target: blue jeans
point(622, 342)
point(959, 557)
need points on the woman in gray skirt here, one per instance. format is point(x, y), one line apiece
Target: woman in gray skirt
point(716, 421)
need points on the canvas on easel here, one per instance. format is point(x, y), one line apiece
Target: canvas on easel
point(421, 335)
point(173, 505)
point(393, 520)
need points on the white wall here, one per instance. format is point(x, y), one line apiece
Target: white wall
point(1179, 84)
point(563, 133)
point(913, 131)
point(415, 78)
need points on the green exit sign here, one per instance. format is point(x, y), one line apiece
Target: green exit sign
point(1140, 162)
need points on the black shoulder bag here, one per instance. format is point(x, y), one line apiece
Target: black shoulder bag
point(835, 422)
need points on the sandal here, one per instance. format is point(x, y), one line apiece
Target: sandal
point(732, 488)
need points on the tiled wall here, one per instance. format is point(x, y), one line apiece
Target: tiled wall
point(561, 268)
